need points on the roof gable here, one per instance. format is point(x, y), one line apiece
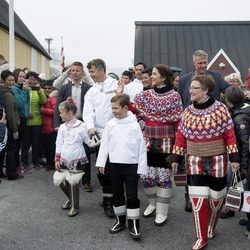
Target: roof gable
point(21, 29)
point(223, 64)
point(173, 43)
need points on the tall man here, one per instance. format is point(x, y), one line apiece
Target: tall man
point(96, 113)
point(200, 62)
point(76, 88)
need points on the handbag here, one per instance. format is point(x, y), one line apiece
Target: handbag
point(234, 197)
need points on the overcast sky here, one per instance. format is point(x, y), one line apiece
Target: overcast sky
point(105, 28)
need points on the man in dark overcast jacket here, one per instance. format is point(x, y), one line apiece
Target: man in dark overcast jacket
point(200, 61)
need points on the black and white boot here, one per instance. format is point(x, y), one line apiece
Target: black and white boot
point(133, 215)
point(120, 219)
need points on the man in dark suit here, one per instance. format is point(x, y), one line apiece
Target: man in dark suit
point(76, 88)
point(200, 62)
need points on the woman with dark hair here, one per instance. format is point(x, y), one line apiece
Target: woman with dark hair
point(240, 113)
point(160, 108)
point(206, 134)
point(175, 80)
point(21, 92)
point(34, 123)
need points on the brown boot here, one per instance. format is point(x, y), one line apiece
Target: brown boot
point(74, 199)
point(66, 189)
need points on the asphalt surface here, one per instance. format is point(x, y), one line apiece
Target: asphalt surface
point(31, 218)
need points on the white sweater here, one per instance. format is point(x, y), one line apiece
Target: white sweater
point(69, 143)
point(133, 88)
point(123, 142)
point(97, 106)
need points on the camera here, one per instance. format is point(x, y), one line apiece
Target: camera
point(35, 88)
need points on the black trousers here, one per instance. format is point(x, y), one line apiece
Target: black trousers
point(21, 131)
point(49, 147)
point(124, 175)
point(31, 138)
point(10, 156)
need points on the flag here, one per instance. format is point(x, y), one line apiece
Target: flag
point(62, 57)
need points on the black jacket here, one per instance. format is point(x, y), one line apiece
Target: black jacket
point(241, 118)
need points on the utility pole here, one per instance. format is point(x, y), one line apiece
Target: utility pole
point(11, 35)
point(49, 40)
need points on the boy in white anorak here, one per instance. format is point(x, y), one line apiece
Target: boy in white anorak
point(123, 144)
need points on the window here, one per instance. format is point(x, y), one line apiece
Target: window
point(43, 64)
point(33, 59)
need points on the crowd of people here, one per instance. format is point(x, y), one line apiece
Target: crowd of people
point(145, 123)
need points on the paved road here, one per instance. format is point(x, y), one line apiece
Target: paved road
point(31, 218)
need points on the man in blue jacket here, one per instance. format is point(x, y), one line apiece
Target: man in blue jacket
point(200, 62)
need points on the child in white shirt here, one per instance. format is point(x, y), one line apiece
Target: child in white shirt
point(122, 142)
point(70, 158)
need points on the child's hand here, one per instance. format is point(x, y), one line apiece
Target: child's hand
point(101, 170)
point(57, 165)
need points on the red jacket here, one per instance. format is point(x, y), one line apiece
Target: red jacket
point(47, 112)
